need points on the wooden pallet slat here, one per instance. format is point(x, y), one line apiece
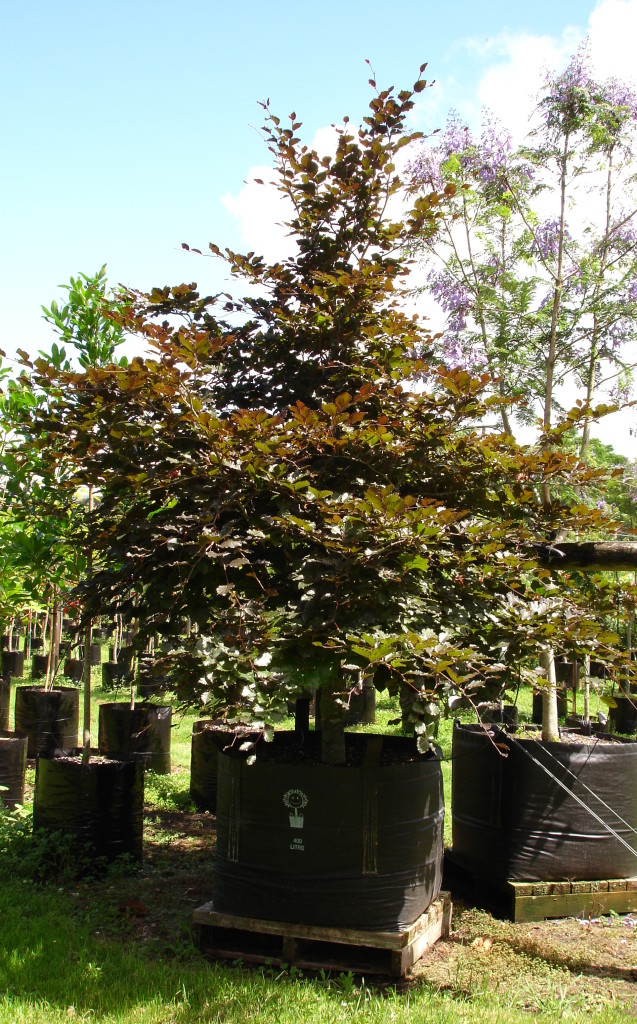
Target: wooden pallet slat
point(535, 901)
point(584, 902)
point(226, 936)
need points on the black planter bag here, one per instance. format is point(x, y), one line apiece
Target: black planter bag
point(562, 706)
point(352, 847)
point(5, 702)
point(13, 663)
point(208, 738)
point(113, 674)
point(100, 804)
point(13, 763)
point(623, 717)
point(74, 669)
point(49, 718)
point(39, 664)
point(512, 821)
point(141, 733)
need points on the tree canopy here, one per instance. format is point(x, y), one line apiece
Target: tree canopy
point(294, 473)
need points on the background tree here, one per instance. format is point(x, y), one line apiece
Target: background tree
point(535, 264)
point(52, 510)
point(87, 322)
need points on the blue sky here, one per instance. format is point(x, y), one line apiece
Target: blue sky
point(130, 127)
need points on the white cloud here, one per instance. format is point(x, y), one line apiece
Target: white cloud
point(510, 68)
point(510, 86)
point(261, 210)
point(613, 31)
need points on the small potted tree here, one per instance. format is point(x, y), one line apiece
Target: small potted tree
point(97, 801)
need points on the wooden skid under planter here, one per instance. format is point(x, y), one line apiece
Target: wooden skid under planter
point(536, 901)
point(227, 937)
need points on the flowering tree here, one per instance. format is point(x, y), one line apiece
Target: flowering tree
point(536, 261)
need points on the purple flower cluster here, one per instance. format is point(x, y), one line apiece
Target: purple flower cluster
point(486, 161)
point(452, 297)
point(546, 239)
point(575, 102)
point(495, 151)
point(620, 96)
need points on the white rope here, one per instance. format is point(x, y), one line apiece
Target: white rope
point(587, 788)
point(604, 824)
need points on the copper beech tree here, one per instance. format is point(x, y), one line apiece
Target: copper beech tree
point(289, 472)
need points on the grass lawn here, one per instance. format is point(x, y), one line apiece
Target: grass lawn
point(118, 948)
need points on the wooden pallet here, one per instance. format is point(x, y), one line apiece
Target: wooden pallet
point(227, 937)
point(536, 901)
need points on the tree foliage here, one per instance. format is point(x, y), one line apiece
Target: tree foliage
point(292, 473)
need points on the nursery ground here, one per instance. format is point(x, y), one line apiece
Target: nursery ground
point(117, 947)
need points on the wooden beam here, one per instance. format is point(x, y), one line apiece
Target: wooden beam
point(590, 556)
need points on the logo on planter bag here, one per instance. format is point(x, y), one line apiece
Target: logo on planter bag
point(295, 800)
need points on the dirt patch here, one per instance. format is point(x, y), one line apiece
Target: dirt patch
point(542, 966)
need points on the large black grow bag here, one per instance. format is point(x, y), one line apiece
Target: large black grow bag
point(74, 669)
point(356, 846)
point(13, 763)
point(13, 663)
point(39, 664)
point(49, 718)
point(5, 701)
point(100, 804)
point(562, 706)
point(113, 674)
point(512, 820)
point(208, 738)
point(623, 717)
point(141, 733)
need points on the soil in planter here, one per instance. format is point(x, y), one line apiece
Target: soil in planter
point(534, 814)
point(13, 763)
point(208, 738)
point(99, 804)
point(356, 845)
point(49, 718)
point(141, 733)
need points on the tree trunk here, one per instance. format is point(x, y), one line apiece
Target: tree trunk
point(86, 675)
point(550, 728)
point(332, 723)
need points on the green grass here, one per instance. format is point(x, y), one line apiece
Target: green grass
point(118, 947)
